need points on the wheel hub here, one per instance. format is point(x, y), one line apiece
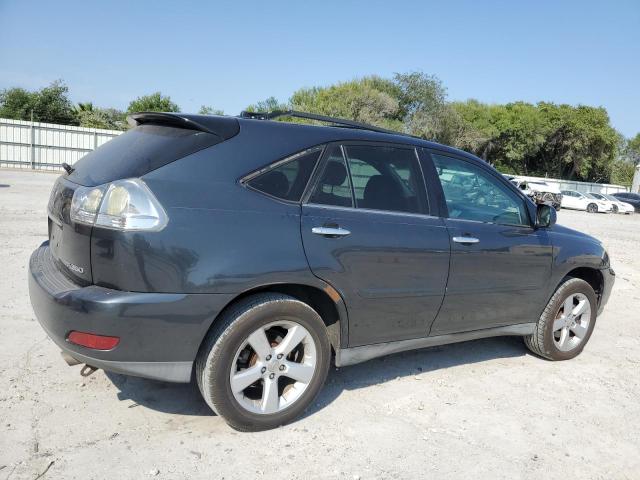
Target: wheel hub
point(572, 322)
point(280, 363)
point(273, 366)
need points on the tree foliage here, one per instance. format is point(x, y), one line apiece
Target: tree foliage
point(50, 104)
point(630, 149)
point(156, 102)
point(108, 118)
point(575, 142)
point(208, 110)
point(543, 139)
point(362, 100)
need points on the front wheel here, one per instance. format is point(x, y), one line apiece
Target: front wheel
point(263, 362)
point(592, 208)
point(615, 208)
point(567, 322)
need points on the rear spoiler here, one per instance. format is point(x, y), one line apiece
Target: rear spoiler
point(221, 126)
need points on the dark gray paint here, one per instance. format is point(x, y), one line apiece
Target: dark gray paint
point(391, 270)
point(161, 291)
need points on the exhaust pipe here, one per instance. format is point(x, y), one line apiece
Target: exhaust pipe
point(85, 371)
point(69, 359)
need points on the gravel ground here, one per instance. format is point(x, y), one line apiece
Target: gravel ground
point(486, 409)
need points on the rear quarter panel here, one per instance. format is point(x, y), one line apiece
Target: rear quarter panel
point(221, 237)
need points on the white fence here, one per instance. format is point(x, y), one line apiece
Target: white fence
point(46, 146)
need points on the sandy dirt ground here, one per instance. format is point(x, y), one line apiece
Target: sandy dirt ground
point(482, 409)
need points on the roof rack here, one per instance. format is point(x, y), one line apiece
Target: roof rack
point(341, 122)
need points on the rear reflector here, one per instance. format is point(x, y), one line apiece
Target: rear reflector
point(89, 340)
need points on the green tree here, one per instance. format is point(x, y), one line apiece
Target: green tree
point(270, 104)
point(108, 118)
point(622, 173)
point(16, 103)
point(544, 139)
point(207, 110)
point(631, 149)
point(156, 102)
point(581, 143)
point(50, 104)
point(358, 100)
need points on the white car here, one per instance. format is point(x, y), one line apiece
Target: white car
point(617, 205)
point(579, 201)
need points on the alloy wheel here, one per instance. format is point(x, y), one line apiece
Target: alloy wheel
point(572, 322)
point(273, 367)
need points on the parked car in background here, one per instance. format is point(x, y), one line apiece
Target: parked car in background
point(245, 253)
point(630, 198)
point(539, 191)
point(617, 206)
point(575, 200)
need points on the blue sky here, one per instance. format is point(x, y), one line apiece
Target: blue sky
point(231, 54)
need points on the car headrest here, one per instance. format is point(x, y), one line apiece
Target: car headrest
point(384, 193)
point(334, 174)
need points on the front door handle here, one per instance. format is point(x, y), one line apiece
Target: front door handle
point(465, 240)
point(330, 231)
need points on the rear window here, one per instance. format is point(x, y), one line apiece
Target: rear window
point(138, 152)
point(287, 179)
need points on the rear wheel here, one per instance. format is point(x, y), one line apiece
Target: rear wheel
point(567, 322)
point(264, 362)
point(592, 208)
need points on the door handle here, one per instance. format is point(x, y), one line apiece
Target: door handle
point(330, 231)
point(465, 240)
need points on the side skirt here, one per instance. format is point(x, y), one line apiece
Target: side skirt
point(354, 355)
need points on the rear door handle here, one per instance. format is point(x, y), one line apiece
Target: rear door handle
point(465, 240)
point(330, 231)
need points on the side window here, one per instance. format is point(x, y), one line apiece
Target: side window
point(474, 194)
point(333, 187)
point(288, 179)
point(386, 178)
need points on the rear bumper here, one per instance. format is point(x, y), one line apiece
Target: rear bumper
point(609, 278)
point(160, 333)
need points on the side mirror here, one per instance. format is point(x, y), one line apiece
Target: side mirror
point(546, 216)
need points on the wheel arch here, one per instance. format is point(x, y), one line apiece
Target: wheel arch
point(323, 298)
point(591, 275)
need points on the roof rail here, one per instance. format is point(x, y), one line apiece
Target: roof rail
point(321, 118)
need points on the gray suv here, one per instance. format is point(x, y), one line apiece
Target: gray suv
point(246, 254)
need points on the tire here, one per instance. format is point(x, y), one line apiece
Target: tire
point(545, 342)
point(592, 208)
point(615, 208)
point(227, 347)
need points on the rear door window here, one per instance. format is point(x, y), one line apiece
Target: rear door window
point(287, 179)
point(334, 186)
point(386, 178)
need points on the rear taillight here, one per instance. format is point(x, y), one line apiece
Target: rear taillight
point(121, 205)
point(90, 340)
